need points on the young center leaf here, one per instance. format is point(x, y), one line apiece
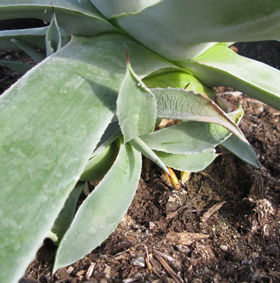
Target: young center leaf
point(136, 106)
point(53, 36)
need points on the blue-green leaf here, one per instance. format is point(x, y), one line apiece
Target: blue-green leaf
point(99, 165)
point(37, 56)
point(53, 37)
point(79, 18)
point(180, 29)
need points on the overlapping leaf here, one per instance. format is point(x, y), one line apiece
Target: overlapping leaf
point(141, 146)
point(185, 105)
point(189, 137)
point(51, 120)
point(53, 36)
point(67, 214)
point(192, 162)
point(36, 55)
point(112, 8)
point(103, 209)
point(179, 79)
point(76, 17)
point(100, 164)
point(22, 68)
point(34, 36)
point(242, 150)
point(180, 29)
point(222, 66)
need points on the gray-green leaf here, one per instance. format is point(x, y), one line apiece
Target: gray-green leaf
point(192, 162)
point(185, 105)
point(103, 209)
point(222, 66)
point(190, 137)
point(136, 107)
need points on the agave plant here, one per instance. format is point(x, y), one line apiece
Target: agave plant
point(112, 70)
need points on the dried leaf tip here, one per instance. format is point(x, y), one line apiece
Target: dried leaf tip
point(53, 12)
point(127, 58)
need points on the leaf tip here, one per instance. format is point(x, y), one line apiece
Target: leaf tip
point(127, 58)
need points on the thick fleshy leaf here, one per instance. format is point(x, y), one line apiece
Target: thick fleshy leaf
point(192, 162)
point(79, 18)
point(136, 107)
point(67, 214)
point(242, 150)
point(185, 105)
point(50, 122)
point(103, 209)
point(112, 8)
point(141, 146)
point(189, 137)
point(180, 30)
point(222, 66)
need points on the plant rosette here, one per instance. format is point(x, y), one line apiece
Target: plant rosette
point(88, 109)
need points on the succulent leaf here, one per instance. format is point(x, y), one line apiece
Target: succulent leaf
point(192, 162)
point(180, 30)
point(53, 36)
point(222, 66)
point(185, 105)
point(79, 18)
point(136, 107)
point(67, 213)
point(37, 56)
point(103, 209)
point(190, 137)
point(141, 146)
point(51, 120)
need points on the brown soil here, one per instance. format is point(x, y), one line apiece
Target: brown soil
point(222, 226)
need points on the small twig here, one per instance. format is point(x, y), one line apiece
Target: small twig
point(211, 211)
point(168, 258)
point(169, 270)
point(147, 259)
point(90, 270)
